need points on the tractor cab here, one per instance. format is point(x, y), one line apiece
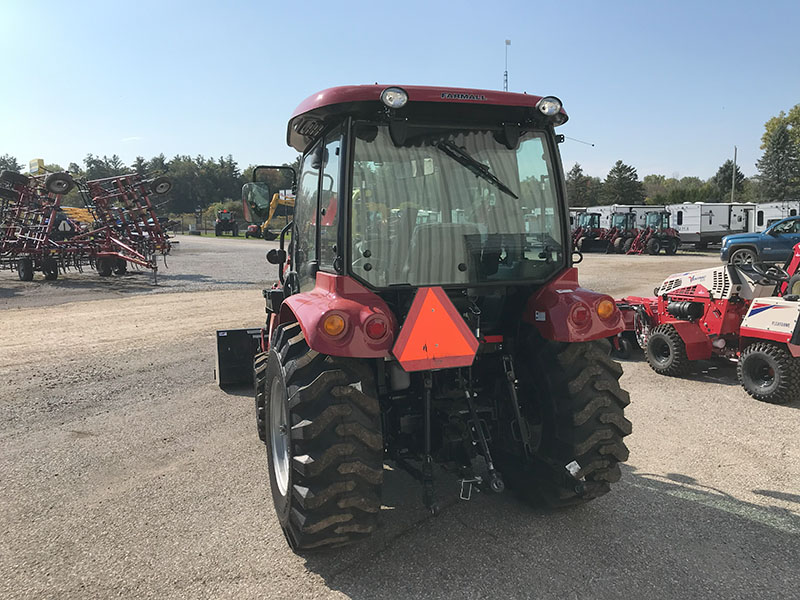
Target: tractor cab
point(657, 221)
point(428, 312)
point(588, 221)
point(623, 221)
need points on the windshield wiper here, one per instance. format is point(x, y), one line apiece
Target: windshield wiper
point(475, 166)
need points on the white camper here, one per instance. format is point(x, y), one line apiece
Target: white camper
point(769, 212)
point(703, 223)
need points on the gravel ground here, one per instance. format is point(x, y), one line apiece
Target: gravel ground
point(127, 472)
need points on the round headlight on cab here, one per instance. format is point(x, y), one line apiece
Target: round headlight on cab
point(549, 106)
point(394, 97)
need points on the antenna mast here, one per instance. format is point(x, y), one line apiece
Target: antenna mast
point(505, 73)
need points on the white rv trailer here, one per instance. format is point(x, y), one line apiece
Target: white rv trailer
point(703, 223)
point(640, 210)
point(768, 212)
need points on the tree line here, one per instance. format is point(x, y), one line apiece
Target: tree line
point(210, 183)
point(197, 182)
point(778, 176)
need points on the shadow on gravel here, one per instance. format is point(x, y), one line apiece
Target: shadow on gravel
point(655, 537)
point(779, 495)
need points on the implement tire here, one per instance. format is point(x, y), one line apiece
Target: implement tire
point(793, 288)
point(50, 269)
point(322, 426)
point(572, 391)
point(24, 266)
point(14, 178)
point(769, 373)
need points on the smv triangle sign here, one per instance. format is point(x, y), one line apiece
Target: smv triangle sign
point(434, 336)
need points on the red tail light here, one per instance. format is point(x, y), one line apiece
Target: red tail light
point(376, 328)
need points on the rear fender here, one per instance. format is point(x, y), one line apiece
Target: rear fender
point(350, 300)
point(551, 310)
point(698, 344)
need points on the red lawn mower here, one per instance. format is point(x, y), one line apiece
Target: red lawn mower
point(748, 313)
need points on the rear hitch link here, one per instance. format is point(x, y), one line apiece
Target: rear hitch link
point(428, 492)
point(495, 481)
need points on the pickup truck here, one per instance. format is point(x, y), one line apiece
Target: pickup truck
point(774, 244)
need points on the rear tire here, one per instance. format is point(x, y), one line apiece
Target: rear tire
point(671, 247)
point(322, 426)
point(793, 288)
point(666, 352)
point(573, 390)
point(653, 246)
point(619, 243)
point(769, 373)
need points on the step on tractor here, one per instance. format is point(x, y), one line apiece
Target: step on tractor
point(225, 222)
point(588, 236)
point(747, 313)
point(657, 234)
point(462, 342)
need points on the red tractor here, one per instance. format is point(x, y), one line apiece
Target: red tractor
point(588, 235)
point(748, 313)
point(623, 228)
point(656, 235)
point(462, 341)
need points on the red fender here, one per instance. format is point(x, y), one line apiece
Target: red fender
point(553, 310)
point(697, 342)
point(347, 298)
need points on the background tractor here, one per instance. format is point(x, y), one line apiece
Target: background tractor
point(226, 221)
point(428, 313)
point(657, 235)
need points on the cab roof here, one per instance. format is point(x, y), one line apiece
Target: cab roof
point(351, 98)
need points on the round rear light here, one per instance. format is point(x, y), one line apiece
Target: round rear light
point(580, 315)
point(605, 308)
point(376, 328)
point(333, 325)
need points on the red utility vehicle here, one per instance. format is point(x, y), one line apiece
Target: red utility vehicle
point(749, 313)
point(657, 234)
point(428, 312)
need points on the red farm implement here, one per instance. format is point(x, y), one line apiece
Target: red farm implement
point(126, 228)
point(37, 235)
point(656, 235)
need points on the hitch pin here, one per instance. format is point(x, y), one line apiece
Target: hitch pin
point(466, 487)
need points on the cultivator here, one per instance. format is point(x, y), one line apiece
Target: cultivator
point(121, 226)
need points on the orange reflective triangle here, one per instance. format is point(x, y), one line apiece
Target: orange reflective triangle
point(434, 336)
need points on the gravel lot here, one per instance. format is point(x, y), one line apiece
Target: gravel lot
point(127, 472)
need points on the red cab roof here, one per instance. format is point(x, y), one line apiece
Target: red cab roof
point(416, 93)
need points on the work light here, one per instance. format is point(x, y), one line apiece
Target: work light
point(394, 97)
point(549, 106)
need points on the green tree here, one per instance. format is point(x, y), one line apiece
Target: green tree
point(582, 190)
point(723, 180)
point(622, 185)
point(779, 167)
point(791, 121)
point(9, 163)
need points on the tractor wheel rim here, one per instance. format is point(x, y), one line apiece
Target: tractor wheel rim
point(661, 352)
point(762, 374)
point(279, 435)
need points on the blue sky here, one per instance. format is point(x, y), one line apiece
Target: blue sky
point(668, 87)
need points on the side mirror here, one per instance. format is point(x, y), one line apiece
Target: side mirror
point(276, 256)
point(274, 175)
